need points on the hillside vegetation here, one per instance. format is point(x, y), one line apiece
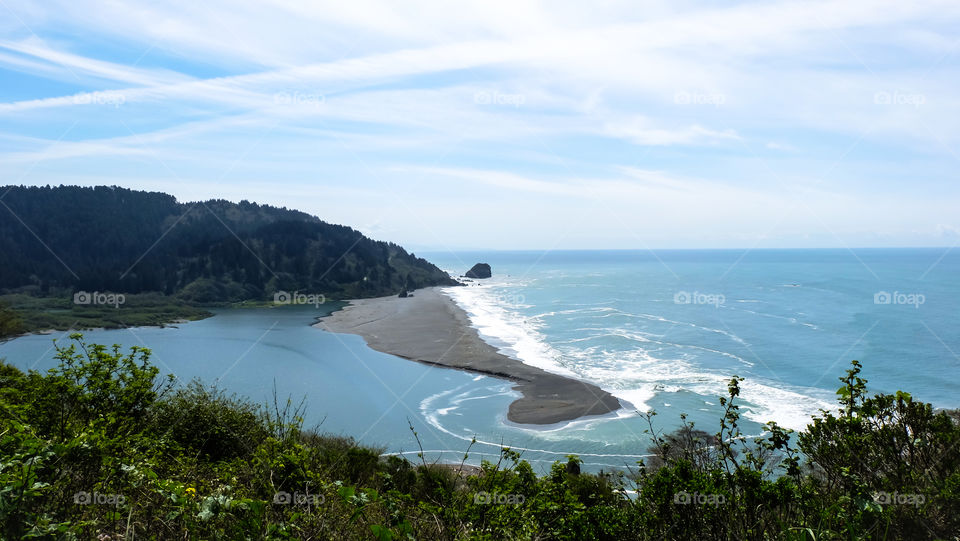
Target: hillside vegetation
point(120, 240)
point(57, 241)
point(103, 448)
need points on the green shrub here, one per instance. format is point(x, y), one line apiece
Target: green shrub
point(196, 463)
point(11, 323)
point(93, 387)
point(207, 421)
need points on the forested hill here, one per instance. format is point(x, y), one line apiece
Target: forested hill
point(59, 239)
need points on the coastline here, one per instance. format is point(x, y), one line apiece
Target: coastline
point(429, 327)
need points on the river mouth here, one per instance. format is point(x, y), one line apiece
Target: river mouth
point(349, 388)
point(790, 323)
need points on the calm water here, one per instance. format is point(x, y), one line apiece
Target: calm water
point(662, 331)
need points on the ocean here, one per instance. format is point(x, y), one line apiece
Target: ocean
point(663, 331)
point(668, 329)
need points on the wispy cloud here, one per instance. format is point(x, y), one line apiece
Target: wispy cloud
point(758, 105)
point(45, 60)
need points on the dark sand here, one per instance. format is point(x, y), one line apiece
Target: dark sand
point(430, 328)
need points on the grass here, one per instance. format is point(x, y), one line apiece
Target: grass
point(136, 310)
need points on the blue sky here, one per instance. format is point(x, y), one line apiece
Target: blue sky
point(506, 125)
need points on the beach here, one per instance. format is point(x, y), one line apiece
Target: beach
point(429, 327)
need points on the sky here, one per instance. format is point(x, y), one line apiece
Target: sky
point(506, 125)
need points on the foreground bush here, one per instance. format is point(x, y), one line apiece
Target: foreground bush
point(102, 448)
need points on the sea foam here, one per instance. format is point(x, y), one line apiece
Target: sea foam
point(639, 368)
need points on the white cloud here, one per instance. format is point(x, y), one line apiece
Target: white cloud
point(640, 131)
point(590, 100)
point(77, 65)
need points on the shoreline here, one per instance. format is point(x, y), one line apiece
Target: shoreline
point(173, 323)
point(429, 327)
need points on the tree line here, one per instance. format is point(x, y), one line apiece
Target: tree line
point(55, 240)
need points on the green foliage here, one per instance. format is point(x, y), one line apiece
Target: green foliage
point(208, 252)
point(138, 310)
point(94, 389)
point(888, 460)
point(206, 421)
point(11, 324)
point(208, 291)
point(101, 447)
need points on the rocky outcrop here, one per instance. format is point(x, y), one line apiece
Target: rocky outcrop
point(480, 270)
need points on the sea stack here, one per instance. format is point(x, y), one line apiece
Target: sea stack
point(480, 270)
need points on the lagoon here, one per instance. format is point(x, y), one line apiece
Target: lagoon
point(661, 331)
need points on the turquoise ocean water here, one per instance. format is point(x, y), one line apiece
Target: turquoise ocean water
point(662, 330)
